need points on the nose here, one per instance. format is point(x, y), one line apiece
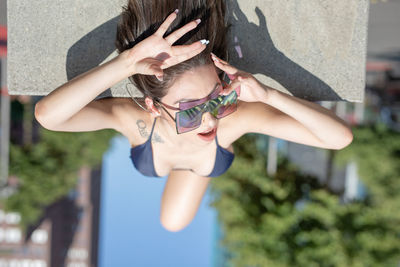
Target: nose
point(208, 120)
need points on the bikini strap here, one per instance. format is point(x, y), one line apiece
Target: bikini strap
point(154, 123)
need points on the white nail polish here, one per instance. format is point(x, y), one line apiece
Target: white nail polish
point(198, 21)
point(204, 41)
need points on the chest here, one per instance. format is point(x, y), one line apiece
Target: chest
point(202, 162)
point(167, 158)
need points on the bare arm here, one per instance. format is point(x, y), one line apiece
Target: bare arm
point(275, 113)
point(70, 107)
point(68, 99)
point(323, 123)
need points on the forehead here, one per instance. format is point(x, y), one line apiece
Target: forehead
point(193, 84)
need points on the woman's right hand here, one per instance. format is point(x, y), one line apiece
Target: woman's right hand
point(156, 53)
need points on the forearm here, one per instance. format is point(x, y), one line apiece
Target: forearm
point(63, 102)
point(321, 122)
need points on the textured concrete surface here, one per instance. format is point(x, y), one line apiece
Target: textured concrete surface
point(384, 29)
point(311, 49)
point(3, 12)
point(384, 35)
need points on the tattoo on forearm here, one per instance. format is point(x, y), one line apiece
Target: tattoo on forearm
point(143, 132)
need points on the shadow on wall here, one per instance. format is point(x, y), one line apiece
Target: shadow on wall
point(258, 55)
point(92, 49)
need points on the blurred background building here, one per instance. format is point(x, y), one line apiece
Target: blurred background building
point(67, 234)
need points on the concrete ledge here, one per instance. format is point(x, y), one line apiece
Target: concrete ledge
point(315, 50)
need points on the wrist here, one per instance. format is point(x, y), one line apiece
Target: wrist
point(127, 60)
point(268, 95)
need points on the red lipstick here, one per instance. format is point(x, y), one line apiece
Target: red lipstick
point(208, 136)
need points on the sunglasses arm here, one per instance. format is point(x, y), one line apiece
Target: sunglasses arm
point(160, 104)
point(168, 106)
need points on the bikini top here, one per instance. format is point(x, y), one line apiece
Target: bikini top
point(142, 158)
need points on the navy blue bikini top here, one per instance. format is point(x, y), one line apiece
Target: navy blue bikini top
point(142, 158)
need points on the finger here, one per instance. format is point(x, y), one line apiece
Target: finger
point(231, 76)
point(214, 57)
point(180, 58)
point(165, 25)
point(235, 85)
point(176, 35)
point(230, 70)
point(186, 49)
point(156, 70)
point(160, 78)
point(149, 66)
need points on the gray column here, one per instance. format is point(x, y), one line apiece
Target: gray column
point(4, 124)
point(272, 156)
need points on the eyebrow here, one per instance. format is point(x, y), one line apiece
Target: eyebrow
point(185, 99)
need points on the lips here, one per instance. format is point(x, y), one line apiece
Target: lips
point(210, 131)
point(208, 137)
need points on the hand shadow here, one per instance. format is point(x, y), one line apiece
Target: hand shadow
point(259, 55)
point(91, 50)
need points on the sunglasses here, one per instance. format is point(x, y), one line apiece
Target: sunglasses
point(191, 112)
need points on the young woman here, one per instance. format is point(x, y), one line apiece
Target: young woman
point(189, 118)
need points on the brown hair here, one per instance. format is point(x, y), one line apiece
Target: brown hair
point(141, 18)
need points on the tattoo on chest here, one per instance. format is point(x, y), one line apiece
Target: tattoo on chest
point(156, 138)
point(145, 134)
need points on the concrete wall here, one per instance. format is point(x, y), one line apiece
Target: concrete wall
point(312, 49)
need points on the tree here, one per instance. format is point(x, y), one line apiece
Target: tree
point(292, 220)
point(47, 170)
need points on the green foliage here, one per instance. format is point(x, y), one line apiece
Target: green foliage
point(48, 170)
point(292, 220)
point(376, 150)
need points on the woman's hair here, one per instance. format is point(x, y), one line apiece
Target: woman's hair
point(141, 18)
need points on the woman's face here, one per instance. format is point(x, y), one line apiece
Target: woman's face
point(193, 85)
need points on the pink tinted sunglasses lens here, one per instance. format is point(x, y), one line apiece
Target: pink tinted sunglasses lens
point(226, 110)
point(189, 124)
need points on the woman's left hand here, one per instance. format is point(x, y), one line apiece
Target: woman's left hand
point(247, 87)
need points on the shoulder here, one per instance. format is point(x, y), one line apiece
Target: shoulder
point(124, 106)
point(130, 117)
point(248, 116)
point(232, 125)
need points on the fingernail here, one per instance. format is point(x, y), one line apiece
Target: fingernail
point(204, 41)
point(176, 11)
point(237, 89)
point(198, 21)
point(214, 58)
point(160, 78)
point(231, 76)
